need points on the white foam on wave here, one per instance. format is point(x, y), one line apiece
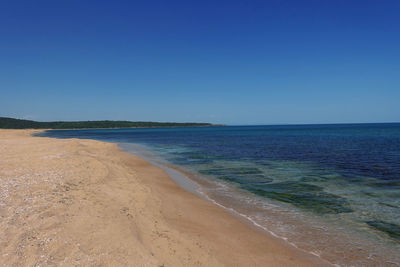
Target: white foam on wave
point(263, 228)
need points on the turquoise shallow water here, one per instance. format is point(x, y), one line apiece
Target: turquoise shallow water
point(333, 190)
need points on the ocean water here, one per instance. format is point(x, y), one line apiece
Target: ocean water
point(331, 190)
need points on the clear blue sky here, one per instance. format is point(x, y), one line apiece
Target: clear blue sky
point(233, 62)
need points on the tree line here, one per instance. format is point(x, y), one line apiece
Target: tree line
point(11, 123)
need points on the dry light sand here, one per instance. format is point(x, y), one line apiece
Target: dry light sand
point(87, 203)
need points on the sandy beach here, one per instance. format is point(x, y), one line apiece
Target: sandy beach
point(73, 202)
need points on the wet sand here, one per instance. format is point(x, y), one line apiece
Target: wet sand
point(87, 203)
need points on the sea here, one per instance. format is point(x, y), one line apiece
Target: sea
point(331, 190)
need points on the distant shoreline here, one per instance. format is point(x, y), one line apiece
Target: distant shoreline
point(12, 123)
point(71, 129)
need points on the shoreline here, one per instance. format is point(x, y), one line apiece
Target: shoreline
point(111, 207)
point(189, 182)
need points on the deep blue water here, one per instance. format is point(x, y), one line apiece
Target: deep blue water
point(347, 169)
